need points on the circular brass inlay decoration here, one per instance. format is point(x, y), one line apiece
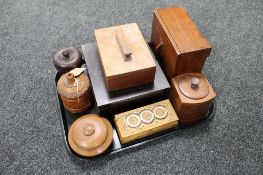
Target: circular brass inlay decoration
point(133, 120)
point(146, 116)
point(160, 112)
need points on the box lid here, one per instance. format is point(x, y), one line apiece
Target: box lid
point(123, 50)
point(182, 31)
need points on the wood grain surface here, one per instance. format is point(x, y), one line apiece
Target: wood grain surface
point(128, 134)
point(119, 72)
point(75, 98)
point(191, 110)
point(178, 41)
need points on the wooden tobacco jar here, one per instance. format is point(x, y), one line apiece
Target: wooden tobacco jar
point(192, 97)
point(75, 92)
point(90, 135)
point(125, 57)
point(67, 59)
point(178, 42)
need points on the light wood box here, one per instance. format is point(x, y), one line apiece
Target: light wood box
point(125, 57)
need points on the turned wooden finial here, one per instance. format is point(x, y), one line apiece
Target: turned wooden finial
point(70, 77)
point(195, 82)
point(65, 53)
point(88, 130)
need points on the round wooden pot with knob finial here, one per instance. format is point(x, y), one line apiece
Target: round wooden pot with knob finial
point(67, 59)
point(75, 92)
point(90, 135)
point(192, 97)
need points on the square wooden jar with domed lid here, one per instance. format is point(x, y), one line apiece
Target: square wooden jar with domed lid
point(111, 103)
point(192, 96)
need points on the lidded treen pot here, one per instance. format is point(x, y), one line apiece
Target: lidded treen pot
point(75, 92)
point(90, 135)
point(192, 97)
point(67, 59)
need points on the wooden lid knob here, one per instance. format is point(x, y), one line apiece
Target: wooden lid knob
point(88, 130)
point(195, 82)
point(193, 86)
point(70, 77)
point(65, 53)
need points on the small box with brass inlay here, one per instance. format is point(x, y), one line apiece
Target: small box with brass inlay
point(145, 121)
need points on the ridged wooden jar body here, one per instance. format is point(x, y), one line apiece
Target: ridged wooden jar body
point(76, 93)
point(77, 105)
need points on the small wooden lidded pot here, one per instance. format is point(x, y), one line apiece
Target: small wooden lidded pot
point(67, 59)
point(90, 135)
point(192, 97)
point(75, 92)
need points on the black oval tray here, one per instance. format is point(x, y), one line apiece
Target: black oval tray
point(67, 119)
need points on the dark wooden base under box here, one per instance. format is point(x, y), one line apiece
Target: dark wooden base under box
point(109, 103)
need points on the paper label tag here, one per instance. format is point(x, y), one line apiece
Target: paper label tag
point(77, 71)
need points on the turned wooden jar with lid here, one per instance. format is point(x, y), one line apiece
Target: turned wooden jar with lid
point(75, 92)
point(192, 97)
point(67, 59)
point(90, 135)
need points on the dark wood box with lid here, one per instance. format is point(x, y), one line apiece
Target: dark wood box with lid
point(178, 42)
point(110, 103)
